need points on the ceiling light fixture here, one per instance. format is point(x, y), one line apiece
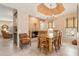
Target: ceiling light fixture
point(49, 11)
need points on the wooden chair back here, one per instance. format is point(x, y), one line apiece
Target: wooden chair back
point(42, 38)
point(42, 33)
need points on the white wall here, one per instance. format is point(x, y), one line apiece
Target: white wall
point(6, 17)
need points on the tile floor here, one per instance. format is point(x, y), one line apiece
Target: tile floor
point(7, 49)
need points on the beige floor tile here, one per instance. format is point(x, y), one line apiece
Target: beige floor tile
point(7, 49)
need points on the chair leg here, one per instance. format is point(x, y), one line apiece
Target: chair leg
point(60, 43)
point(38, 44)
point(40, 48)
point(21, 45)
point(30, 43)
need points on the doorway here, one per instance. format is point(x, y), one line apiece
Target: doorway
point(8, 27)
point(34, 26)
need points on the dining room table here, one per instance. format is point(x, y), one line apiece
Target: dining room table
point(53, 41)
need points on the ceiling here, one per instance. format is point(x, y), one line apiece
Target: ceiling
point(6, 13)
point(70, 8)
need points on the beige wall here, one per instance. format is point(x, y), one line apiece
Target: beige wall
point(23, 22)
point(60, 21)
point(34, 24)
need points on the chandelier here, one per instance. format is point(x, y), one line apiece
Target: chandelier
point(49, 9)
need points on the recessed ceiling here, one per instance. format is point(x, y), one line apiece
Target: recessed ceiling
point(49, 9)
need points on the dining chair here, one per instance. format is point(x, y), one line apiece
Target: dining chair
point(57, 41)
point(43, 43)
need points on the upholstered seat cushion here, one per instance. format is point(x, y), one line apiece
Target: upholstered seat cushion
point(25, 40)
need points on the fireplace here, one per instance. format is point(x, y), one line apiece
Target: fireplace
point(34, 34)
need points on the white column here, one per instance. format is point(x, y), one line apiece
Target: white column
point(22, 22)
